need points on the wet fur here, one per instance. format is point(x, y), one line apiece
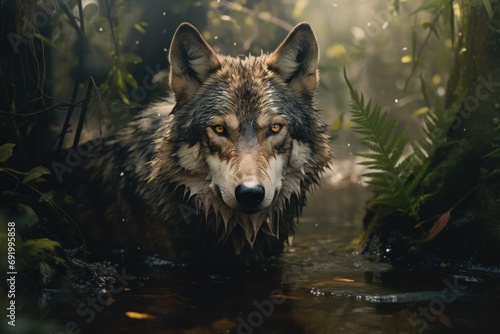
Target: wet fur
point(164, 183)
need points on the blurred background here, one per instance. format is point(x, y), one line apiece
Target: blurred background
point(75, 70)
point(390, 50)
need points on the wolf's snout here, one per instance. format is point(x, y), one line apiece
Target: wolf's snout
point(250, 195)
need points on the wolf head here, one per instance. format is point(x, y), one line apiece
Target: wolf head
point(244, 137)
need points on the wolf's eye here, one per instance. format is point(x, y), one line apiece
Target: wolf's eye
point(219, 129)
point(275, 128)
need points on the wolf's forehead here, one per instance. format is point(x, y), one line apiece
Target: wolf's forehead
point(248, 71)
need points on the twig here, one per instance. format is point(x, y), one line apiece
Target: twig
point(59, 105)
point(77, 77)
point(416, 61)
point(110, 20)
point(83, 112)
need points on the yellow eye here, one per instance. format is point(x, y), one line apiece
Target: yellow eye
point(219, 129)
point(276, 128)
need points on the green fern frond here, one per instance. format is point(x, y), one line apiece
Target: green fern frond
point(389, 172)
point(436, 125)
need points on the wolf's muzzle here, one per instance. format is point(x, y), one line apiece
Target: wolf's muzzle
point(250, 196)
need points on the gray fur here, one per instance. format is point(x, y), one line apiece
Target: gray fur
point(151, 185)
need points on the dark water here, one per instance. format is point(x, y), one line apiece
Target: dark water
point(318, 286)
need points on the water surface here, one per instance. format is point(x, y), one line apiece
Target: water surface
point(319, 285)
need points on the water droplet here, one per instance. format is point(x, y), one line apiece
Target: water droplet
point(136, 42)
point(335, 5)
point(348, 144)
point(234, 43)
point(216, 37)
point(396, 100)
point(164, 13)
point(441, 91)
point(159, 114)
point(385, 25)
point(121, 174)
point(165, 49)
point(100, 29)
point(405, 48)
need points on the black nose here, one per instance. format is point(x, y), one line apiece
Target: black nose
point(250, 196)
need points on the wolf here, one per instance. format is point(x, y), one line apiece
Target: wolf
point(221, 176)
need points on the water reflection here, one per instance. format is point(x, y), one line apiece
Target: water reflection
point(318, 286)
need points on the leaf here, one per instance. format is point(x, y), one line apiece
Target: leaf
point(487, 5)
point(337, 125)
point(139, 28)
point(389, 171)
point(28, 210)
point(493, 154)
point(130, 58)
point(6, 151)
point(423, 89)
point(432, 27)
point(406, 59)
point(45, 40)
point(438, 226)
point(432, 5)
point(396, 6)
point(35, 246)
point(129, 78)
point(420, 111)
point(35, 173)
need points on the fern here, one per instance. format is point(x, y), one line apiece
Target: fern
point(389, 171)
point(437, 123)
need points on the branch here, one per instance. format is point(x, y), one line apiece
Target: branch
point(83, 112)
point(74, 95)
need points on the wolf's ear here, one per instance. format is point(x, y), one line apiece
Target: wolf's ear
point(192, 60)
point(296, 60)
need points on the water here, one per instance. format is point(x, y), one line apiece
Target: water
point(320, 285)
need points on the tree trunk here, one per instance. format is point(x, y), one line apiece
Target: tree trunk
point(461, 178)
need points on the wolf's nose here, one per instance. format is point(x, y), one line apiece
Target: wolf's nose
point(250, 195)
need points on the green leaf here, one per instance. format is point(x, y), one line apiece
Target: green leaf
point(28, 211)
point(423, 89)
point(139, 28)
point(432, 27)
point(493, 154)
point(6, 151)
point(487, 5)
point(44, 244)
point(388, 170)
point(35, 174)
point(129, 78)
point(432, 5)
point(337, 124)
point(130, 58)
point(396, 5)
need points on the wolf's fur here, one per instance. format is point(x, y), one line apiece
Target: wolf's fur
point(167, 182)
